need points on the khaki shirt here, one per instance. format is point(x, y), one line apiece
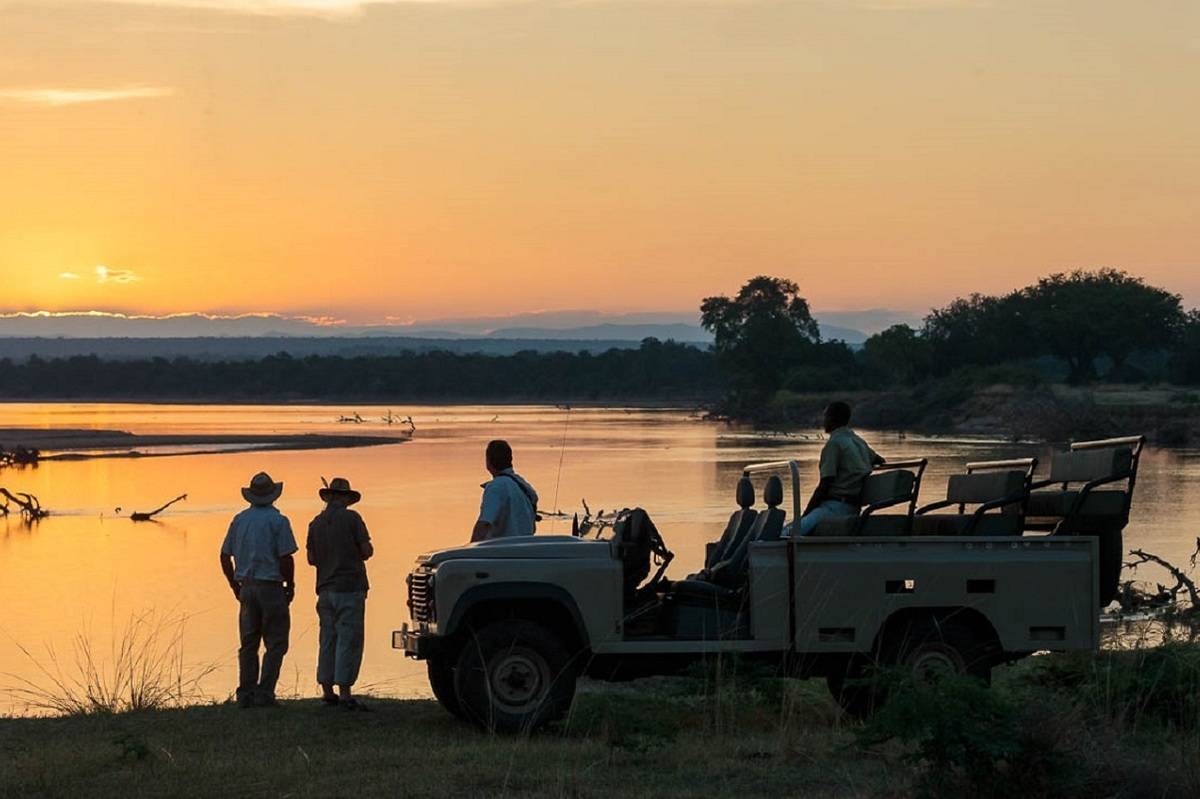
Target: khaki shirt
point(847, 459)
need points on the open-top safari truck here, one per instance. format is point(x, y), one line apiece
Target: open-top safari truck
point(1004, 566)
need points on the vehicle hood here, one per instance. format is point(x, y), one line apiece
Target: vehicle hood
point(525, 546)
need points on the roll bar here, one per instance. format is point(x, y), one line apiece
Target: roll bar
point(775, 466)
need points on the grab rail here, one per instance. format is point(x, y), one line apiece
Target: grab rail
point(1028, 464)
point(774, 466)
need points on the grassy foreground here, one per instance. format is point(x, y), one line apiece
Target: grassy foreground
point(1119, 725)
point(413, 748)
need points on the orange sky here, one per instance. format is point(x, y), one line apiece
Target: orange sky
point(429, 159)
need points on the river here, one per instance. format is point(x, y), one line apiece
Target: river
point(87, 569)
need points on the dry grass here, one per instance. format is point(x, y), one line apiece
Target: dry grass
point(144, 669)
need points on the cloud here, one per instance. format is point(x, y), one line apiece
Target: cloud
point(106, 275)
point(68, 276)
point(59, 96)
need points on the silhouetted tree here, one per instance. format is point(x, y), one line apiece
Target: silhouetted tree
point(1083, 315)
point(899, 354)
point(1185, 360)
point(977, 330)
point(759, 335)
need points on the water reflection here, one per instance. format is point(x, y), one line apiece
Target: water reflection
point(89, 567)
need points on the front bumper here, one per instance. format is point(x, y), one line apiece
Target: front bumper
point(416, 644)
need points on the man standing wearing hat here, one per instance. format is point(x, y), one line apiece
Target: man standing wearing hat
point(256, 558)
point(339, 546)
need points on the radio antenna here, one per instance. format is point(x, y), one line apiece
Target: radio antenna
point(562, 451)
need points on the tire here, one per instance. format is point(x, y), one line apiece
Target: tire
point(514, 676)
point(931, 646)
point(927, 646)
point(441, 680)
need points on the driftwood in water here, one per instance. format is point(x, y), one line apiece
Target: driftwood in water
point(31, 509)
point(145, 517)
point(1166, 596)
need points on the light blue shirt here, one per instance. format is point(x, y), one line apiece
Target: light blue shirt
point(508, 508)
point(258, 537)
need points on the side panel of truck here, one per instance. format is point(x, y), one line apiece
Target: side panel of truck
point(1038, 593)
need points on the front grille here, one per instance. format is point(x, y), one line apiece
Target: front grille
point(420, 596)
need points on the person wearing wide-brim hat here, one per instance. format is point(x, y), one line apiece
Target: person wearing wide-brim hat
point(338, 546)
point(256, 558)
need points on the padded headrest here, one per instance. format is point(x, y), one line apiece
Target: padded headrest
point(773, 491)
point(981, 487)
point(894, 484)
point(1080, 466)
point(745, 493)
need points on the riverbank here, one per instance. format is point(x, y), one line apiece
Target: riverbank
point(84, 444)
point(1167, 415)
point(1117, 724)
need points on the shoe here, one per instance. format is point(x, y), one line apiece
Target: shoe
point(245, 700)
point(354, 704)
point(331, 701)
point(265, 700)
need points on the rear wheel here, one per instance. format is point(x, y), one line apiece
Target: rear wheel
point(514, 676)
point(441, 680)
point(931, 647)
point(927, 647)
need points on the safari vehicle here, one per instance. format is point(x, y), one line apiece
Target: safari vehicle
point(507, 626)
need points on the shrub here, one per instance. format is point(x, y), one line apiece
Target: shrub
point(965, 739)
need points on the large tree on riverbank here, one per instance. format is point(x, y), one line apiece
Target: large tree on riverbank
point(759, 334)
point(1081, 316)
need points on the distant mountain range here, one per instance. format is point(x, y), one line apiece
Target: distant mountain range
point(850, 326)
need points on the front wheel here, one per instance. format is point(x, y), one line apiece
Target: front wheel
point(514, 676)
point(441, 680)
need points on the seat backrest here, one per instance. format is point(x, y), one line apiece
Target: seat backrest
point(738, 526)
point(1085, 465)
point(730, 571)
point(895, 485)
point(769, 524)
point(981, 487)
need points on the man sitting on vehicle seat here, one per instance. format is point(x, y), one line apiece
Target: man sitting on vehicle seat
point(846, 460)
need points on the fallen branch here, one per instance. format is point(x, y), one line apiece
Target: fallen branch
point(31, 508)
point(1182, 581)
point(145, 517)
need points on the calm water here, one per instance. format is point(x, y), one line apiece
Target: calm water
point(87, 569)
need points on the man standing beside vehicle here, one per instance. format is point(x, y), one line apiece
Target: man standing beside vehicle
point(339, 546)
point(509, 505)
point(256, 558)
point(846, 461)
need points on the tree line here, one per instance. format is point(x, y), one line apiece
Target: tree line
point(656, 370)
point(1081, 327)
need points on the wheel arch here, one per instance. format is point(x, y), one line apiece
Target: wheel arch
point(971, 618)
point(543, 603)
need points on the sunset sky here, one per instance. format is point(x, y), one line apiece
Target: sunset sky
point(415, 160)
